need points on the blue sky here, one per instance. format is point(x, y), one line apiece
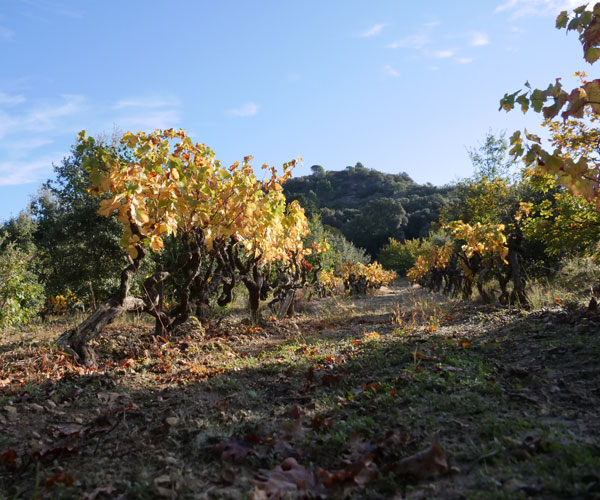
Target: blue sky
point(399, 86)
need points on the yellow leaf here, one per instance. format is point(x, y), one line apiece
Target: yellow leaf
point(156, 243)
point(132, 251)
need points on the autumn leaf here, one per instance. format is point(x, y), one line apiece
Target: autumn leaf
point(287, 478)
point(9, 458)
point(100, 492)
point(234, 450)
point(156, 243)
point(60, 477)
point(427, 463)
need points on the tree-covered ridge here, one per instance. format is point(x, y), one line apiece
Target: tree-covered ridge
point(353, 200)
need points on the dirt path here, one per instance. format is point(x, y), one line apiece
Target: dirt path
point(348, 397)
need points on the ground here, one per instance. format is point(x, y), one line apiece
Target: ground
point(400, 395)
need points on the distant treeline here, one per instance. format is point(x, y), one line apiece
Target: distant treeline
point(369, 206)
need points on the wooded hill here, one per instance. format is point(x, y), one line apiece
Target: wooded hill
point(369, 206)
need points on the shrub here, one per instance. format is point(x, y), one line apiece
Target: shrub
point(21, 296)
point(399, 256)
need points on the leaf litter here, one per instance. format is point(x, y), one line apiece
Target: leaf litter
point(315, 407)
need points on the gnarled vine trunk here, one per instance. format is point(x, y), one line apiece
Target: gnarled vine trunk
point(77, 339)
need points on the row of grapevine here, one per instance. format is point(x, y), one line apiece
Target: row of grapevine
point(467, 256)
point(356, 278)
point(207, 228)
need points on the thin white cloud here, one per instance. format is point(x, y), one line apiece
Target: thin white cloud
point(479, 39)
point(443, 54)
point(11, 100)
point(50, 7)
point(373, 30)
point(416, 41)
point(464, 60)
point(28, 129)
point(147, 112)
point(526, 8)
point(13, 173)
point(6, 34)
point(46, 117)
point(148, 120)
point(17, 149)
point(248, 109)
point(147, 102)
point(390, 71)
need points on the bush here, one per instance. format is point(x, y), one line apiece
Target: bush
point(576, 281)
point(21, 296)
point(398, 256)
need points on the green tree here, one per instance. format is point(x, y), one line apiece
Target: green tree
point(78, 249)
point(21, 296)
point(379, 220)
point(491, 159)
point(399, 256)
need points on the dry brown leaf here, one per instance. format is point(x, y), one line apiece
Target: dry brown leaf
point(427, 463)
point(106, 491)
point(233, 450)
point(9, 458)
point(289, 477)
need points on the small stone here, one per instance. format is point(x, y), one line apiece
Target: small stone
point(50, 404)
point(172, 421)
point(36, 407)
point(11, 412)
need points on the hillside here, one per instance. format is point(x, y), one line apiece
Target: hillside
point(369, 206)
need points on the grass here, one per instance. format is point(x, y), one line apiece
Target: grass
point(513, 397)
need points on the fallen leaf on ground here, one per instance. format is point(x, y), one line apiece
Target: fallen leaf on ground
point(427, 463)
point(289, 477)
point(233, 450)
point(60, 477)
point(9, 458)
point(106, 491)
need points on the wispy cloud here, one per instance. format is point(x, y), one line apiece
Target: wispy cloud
point(479, 39)
point(13, 173)
point(247, 109)
point(149, 121)
point(443, 54)
point(390, 71)
point(429, 46)
point(147, 112)
point(525, 8)
point(51, 7)
point(147, 102)
point(6, 34)
point(30, 128)
point(416, 41)
point(11, 100)
point(373, 30)
point(41, 118)
point(431, 24)
point(46, 117)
